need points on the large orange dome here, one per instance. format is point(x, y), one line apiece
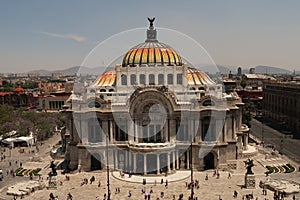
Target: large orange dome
point(151, 53)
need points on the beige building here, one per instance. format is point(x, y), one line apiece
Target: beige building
point(146, 114)
point(281, 103)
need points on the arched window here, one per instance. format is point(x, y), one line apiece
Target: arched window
point(124, 79)
point(151, 79)
point(102, 90)
point(208, 103)
point(170, 79)
point(132, 79)
point(142, 79)
point(160, 79)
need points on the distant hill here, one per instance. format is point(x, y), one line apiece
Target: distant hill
point(72, 71)
point(260, 69)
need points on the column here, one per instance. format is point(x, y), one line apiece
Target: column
point(200, 130)
point(145, 164)
point(126, 161)
point(105, 127)
point(177, 160)
point(245, 141)
point(191, 130)
point(173, 160)
point(111, 131)
point(134, 162)
point(130, 130)
point(157, 164)
point(116, 159)
point(188, 160)
point(225, 130)
point(130, 161)
point(169, 163)
point(172, 129)
point(135, 129)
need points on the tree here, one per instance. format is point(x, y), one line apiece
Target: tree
point(243, 83)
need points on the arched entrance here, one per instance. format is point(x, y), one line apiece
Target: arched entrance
point(151, 164)
point(139, 164)
point(163, 163)
point(209, 162)
point(96, 162)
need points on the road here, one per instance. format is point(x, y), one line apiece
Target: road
point(289, 147)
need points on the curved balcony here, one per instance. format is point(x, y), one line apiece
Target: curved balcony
point(150, 147)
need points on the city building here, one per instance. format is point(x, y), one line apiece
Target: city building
point(281, 103)
point(53, 101)
point(153, 113)
point(17, 98)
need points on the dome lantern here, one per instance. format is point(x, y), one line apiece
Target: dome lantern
point(151, 32)
point(151, 52)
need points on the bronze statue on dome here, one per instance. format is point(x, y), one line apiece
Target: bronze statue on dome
point(151, 20)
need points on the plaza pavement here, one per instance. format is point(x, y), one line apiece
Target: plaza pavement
point(211, 189)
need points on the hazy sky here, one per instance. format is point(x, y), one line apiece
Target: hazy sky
point(57, 34)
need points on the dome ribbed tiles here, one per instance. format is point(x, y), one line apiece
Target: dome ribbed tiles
point(151, 53)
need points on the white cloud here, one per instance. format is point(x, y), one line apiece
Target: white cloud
point(71, 36)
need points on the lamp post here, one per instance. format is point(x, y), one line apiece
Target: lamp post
point(191, 163)
point(192, 180)
point(262, 132)
point(107, 169)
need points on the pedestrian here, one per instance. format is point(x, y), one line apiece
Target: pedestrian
point(129, 193)
point(51, 196)
point(235, 194)
point(69, 197)
point(229, 175)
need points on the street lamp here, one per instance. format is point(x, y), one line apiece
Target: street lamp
point(262, 132)
point(191, 161)
point(107, 168)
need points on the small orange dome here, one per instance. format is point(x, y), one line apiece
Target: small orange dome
point(19, 90)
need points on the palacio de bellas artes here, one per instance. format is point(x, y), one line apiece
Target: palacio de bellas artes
point(154, 114)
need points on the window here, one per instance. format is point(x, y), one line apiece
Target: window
point(208, 103)
point(170, 79)
point(179, 79)
point(121, 135)
point(160, 79)
point(142, 79)
point(181, 132)
point(94, 104)
point(208, 129)
point(151, 79)
point(132, 79)
point(124, 79)
point(94, 132)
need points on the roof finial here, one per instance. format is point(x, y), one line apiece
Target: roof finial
point(151, 20)
point(151, 32)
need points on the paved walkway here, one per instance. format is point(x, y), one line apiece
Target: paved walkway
point(178, 176)
point(210, 189)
